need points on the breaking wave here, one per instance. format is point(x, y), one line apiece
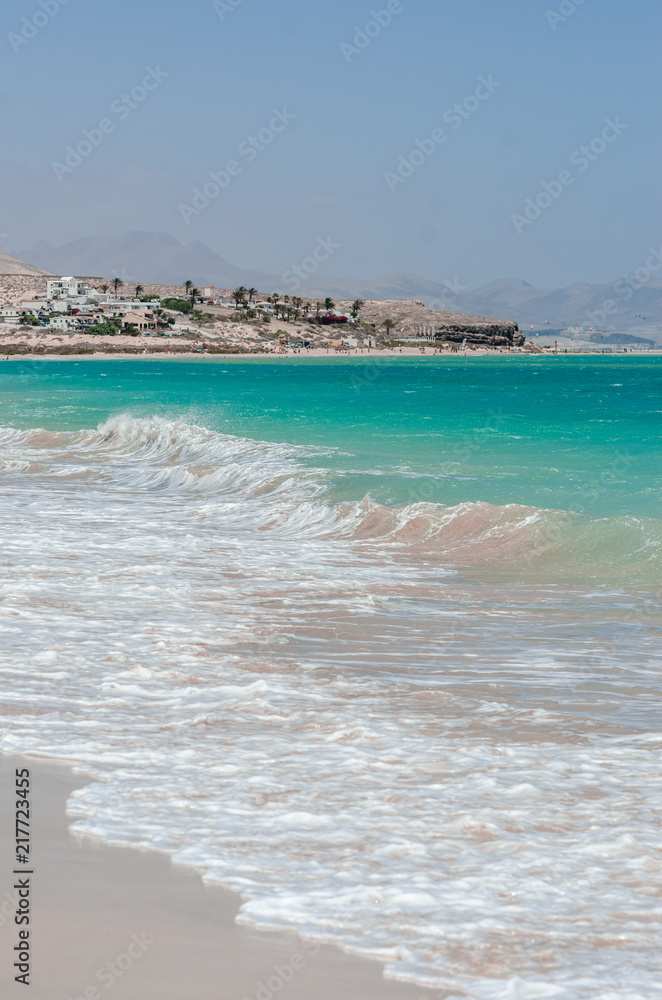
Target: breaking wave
point(280, 489)
point(388, 749)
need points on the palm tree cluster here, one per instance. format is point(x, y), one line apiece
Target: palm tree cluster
point(293, 308)
point(290, 308)
point(284, 306)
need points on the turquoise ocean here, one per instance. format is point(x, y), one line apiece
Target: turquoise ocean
point(373, 642)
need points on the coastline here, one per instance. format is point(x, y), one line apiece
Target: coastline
point(143, 662)
point(97, 908)
point(371, 358)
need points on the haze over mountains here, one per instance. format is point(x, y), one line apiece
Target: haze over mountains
point(145, 257)
point(13, 266)
point(628, 304)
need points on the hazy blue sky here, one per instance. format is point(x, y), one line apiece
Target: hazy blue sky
point(357, 111)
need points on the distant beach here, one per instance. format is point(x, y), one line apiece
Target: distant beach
point(354, 355)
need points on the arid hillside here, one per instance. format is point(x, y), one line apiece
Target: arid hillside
point(407, 316)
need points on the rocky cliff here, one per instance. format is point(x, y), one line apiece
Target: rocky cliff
point(411, 316)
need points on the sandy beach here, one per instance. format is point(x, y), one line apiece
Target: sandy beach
point(369, 357)
point(129, 925)
point(370, 647)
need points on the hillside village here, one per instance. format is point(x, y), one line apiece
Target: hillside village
point(41, 313)
point(69, 314)
point(93, 312)
point(630, 306)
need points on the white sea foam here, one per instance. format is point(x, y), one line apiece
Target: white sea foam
point(460, 778)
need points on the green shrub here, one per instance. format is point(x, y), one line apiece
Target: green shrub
point(107, 328)
point(179, 305)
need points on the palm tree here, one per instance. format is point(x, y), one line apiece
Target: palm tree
point(388, 325)
point(239, 295)
point(275, 299)
point(357, 306)
point(117, 283)
point(188, 285)
point(139, 291)
point(104, 289)
point(319, 306)
point(192, 294)
point(252, 292)
point(328, 304)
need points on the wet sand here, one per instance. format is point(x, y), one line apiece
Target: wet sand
point(127, 924)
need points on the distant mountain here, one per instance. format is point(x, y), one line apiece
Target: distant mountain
point(162, 259)
point(392, 286)
point(14, 266)
point(631, 310)
point(511, 298)
point(146, 257)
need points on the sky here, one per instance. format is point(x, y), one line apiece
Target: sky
point(425, 136)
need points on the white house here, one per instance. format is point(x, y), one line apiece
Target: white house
point(64, 288)
point(33, 305)
point(11, 314)
point(63, 322)
point(117, 307)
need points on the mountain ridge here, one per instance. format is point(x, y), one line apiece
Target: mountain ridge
point(161, 258)
point(15, 266)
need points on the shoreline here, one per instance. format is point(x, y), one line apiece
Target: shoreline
point(372, 358)
point(98, 907)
